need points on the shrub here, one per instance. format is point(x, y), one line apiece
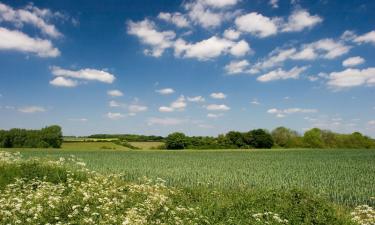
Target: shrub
point(176, 140)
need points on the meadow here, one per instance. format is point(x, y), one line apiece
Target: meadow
point(344, 176)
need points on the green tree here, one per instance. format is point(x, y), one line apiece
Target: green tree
point(313, 138)
point(235, 138)
point(260, 138)
point(284, 137)
point(176, 140)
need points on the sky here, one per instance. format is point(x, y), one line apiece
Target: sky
point(202, 67)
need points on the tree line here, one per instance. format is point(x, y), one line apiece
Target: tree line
point(280, 137)
point(48, 137)
point(128, 137)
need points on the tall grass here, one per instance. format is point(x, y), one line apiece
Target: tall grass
point(343, 176)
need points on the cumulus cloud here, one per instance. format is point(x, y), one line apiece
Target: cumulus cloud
point(18, 41)
point(256, 24)
point(114, 116)
point(165, 91)
point(135, 108)
point(84, 74)
point(196, 99)
point(31, 109)
point(218, 95)
point(274, 3)
point(215, 107)
point(255, 102)
point(115, 93)
point(280, 74)
point(366, 38)
point(114, 104)
point(210, 48)
point(78, 119)
point(148, 34)
point(231, 34)
point(219, 3)
point(299, 20)
point(236, 67)
point(353, 61)
point(280, 113)
point(179, 105)
point(214, 116)
point(325, 48)
point(352, 78)
point(63, 82)
point(30, 15)
point(177, 19)
point(166, 121)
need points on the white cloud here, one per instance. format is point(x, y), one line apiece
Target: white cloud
point(165, 121)
point(165, 91)
point(218, 95)
point(213, 115)
point(352, 78)
point(235, 67)
point(239, 49)
point(196, 99)
point(366, 38)
point(299, 20)
point(219, 3)
point(30, 15)
point(231, 34)
point(115, 93)
point(256, 24)
point(255, 102)
point(210, 48)
point(215, 107)
point(84, 74)
point(274, 3)
point(280, 113)
point(114, 104)
point(78, 120)
point(330, 48)
point(63, 82)
point(353, 61)
point(166, 109)
point(134, 108)
point(115, 116)
point(209, 13)
point(148, 34)
point(177, 19)
point(31, 109)
point(18, 41)
point(324, 48)
point(371, 123)
point(180, 104)
point(281, 74)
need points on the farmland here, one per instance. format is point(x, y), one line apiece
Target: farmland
point(346, 177)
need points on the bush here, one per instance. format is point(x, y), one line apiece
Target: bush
point(176, 140)
point(260, 138)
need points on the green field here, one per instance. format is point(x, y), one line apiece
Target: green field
point(346, 177)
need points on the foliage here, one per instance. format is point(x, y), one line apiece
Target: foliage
point(125, 143)
point(48, 137)
point(176, 140)
point(284, 137)
point(128, 137)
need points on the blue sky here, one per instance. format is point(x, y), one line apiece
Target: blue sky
point(202, 67)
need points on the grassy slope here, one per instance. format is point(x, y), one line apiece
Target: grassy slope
point(345, 176)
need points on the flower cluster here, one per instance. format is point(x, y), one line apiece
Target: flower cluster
point(269, 218)
point(97, 199)
point(364, 215)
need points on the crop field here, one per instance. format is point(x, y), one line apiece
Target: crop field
point(346, 177)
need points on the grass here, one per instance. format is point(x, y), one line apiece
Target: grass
point(84, 146)
point(65, 192)
point(344, 176)
point(147, 145)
